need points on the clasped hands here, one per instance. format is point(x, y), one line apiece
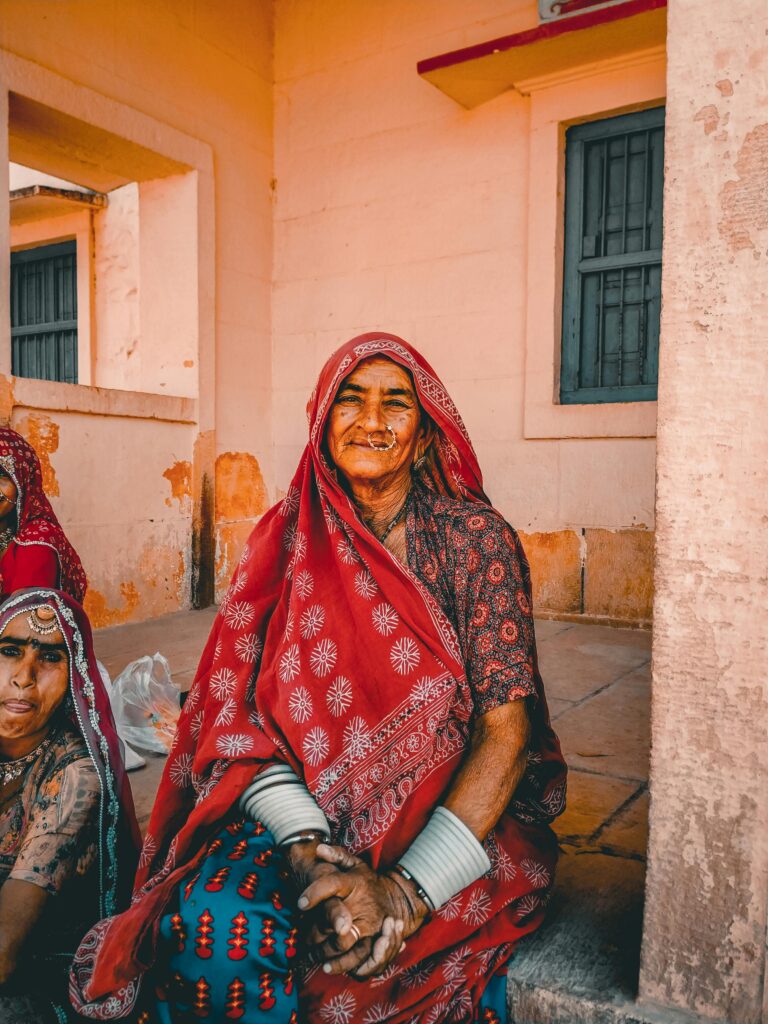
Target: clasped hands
point(356, 920)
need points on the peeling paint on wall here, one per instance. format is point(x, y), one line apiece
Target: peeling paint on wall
point(158, 585)
point(742, 202)
point(6, 399)
point(240, 489)
point(43, 434)
point(179, 475)
point(709, 116)
point(102, 613)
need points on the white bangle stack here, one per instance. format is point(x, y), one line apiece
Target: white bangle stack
point(282, 803)
point(444, 858)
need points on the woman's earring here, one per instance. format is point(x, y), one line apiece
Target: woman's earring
point(419, 463)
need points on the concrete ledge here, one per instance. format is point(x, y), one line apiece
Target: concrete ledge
point(55, 397)
point(582, 966)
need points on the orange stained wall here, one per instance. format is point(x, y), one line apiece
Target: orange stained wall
point(123, 465)
point(349, 195)
point(398, 209)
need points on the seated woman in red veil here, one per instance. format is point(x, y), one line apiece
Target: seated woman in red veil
point(354, 823)
point(34, 550)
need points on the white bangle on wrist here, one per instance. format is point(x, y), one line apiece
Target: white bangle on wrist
point(444, 858)
point(283, 804)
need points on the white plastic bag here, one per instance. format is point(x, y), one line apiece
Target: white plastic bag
point(131, 759)
point(146, 704)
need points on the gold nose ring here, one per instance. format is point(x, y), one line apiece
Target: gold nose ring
point(383, 447)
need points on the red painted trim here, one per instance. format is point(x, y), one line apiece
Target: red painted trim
point(550, 30)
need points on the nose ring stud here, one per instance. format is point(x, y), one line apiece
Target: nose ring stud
point(383, 447)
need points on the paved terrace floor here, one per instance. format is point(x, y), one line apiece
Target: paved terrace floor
point(597, 680)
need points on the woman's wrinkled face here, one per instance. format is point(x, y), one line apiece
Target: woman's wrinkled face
point(376, 395)
point(34, 675)
point(8, 495)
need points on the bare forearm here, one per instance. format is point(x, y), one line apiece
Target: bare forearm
point(21, 906)
point(493, 769)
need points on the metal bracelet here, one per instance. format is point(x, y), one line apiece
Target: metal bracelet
point(400, 870)
point(305, 837)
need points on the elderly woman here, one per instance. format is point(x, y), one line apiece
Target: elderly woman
point(68, 834)
point(34, 551)
point(370, 683)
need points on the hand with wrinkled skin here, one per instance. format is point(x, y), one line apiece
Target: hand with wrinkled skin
point(381, 909)
point(307, 868)
point(322, 938)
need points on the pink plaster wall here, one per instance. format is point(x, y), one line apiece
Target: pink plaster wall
point(389, 206)
point(707, 891)
point(398, 209)
point(117, 280)
point(204, 70)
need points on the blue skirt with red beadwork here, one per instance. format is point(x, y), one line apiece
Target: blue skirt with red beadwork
point(229, 949)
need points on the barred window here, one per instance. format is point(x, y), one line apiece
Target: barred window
point(612, 269)
point(44, 312)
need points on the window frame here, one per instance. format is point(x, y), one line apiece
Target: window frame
point(38, 253)
point(571, 337)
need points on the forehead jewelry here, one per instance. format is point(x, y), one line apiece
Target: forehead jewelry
point(383, 447)
point(42, 620)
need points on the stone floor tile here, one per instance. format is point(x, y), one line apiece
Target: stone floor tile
point(628, 832)
point(592, 801)
point(547, 628)
point(611, 636)
point(609, 734)
point(557, 706)
point(570, 673)
point(179, 637)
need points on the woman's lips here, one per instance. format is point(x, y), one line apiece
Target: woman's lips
point(18, 707)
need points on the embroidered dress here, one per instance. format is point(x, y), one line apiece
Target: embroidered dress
point(365, 676)
point(48, 833)
point(68, 825)
point(39, 554)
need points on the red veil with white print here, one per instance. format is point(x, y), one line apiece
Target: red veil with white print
point(295, 671)
point(36, 522)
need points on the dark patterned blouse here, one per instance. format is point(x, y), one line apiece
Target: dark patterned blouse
point(48, 832)
point(472, 563)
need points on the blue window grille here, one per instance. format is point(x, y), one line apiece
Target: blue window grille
point(612, 271)
point(44, 312)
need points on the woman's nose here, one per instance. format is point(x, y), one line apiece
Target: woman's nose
point(23, 677)
point(372, 417)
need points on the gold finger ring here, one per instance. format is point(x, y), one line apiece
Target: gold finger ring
point(355, 931)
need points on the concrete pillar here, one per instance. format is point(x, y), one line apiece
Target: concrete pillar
point(707, 890)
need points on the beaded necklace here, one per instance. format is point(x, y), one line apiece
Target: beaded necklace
point(11, 770)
